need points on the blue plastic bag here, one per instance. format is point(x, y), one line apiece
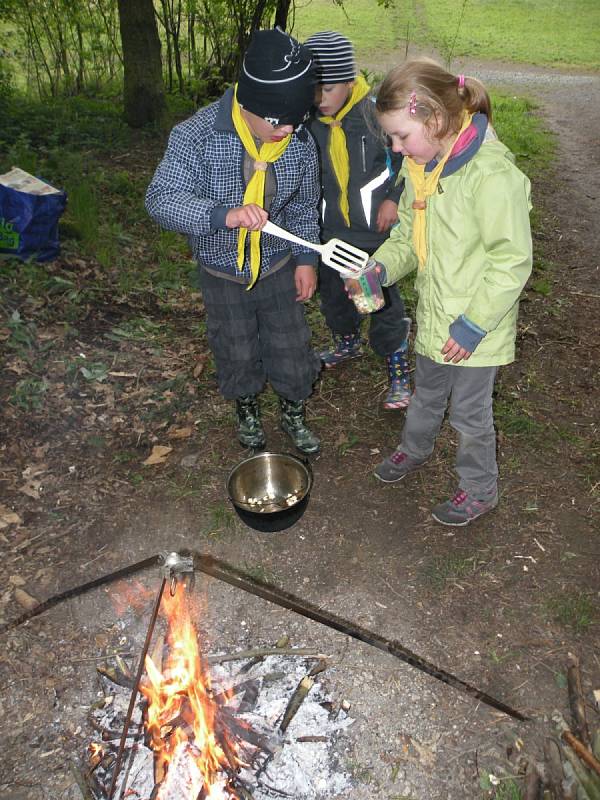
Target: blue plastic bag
point(29, 224)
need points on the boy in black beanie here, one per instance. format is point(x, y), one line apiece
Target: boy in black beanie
point(359, 205)
point(226, 170)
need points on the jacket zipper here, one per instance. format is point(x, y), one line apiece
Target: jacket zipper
point(363, 152)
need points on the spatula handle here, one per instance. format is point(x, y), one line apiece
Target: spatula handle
point(275, 230)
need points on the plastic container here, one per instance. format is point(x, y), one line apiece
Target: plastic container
point(366, 291)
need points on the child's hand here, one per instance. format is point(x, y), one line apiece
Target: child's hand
point(454, 352)
point(250, 216)
point(387, 215)
point(352, 287)
point(306, 282)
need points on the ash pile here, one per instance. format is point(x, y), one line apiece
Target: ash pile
point(279, 732)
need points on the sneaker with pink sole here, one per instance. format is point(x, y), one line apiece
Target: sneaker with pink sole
point(463, 508)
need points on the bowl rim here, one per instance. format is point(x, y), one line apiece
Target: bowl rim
point(264, 454)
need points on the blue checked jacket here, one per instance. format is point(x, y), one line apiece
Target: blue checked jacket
point(201, 177)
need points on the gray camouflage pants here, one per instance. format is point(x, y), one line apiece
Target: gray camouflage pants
point(259, 335)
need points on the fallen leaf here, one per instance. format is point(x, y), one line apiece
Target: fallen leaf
point(8, 517)
point(25, 600)
point(41, 451)
point(33, 470)
point(180, 433)
point(32, 489)
point(158, 455)
point(199, 368)
point(16, 580)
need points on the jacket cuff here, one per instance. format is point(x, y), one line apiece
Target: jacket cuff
point(466, 333)
point(308, 258)
point(395, 190)
point(217, 217)
point(382, 274)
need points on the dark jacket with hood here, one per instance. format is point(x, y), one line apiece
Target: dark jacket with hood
point(373, 173)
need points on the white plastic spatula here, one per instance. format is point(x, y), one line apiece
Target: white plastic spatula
point(345, 258)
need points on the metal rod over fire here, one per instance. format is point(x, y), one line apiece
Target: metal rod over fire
point(229, 574)
point(173, 566)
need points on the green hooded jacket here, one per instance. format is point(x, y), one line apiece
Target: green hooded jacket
point(478, 254)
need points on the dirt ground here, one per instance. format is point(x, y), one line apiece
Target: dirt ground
point(498, 604)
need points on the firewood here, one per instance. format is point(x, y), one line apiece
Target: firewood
point(280, 644)
point(312, 739)
point(319, 667)
point(583, 753)
point(244, 731)
point(115, 675)
point(307, 652)
point(573, 789)
point(589, 780)
point(576, 701)
point(596, 744)
point(585, 779)
point(296, 701)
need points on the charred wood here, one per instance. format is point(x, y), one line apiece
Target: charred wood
point(296, 701)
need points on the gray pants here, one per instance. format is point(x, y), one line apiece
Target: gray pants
point(471, 415)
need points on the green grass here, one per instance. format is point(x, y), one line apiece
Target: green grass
point(447, 569)
point(372, 29)
point(519, 127)
point(544, 32)
point(514, 419)
point(529, 31)
point(573, 610)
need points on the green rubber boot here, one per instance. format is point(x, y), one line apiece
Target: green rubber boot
point(250, 431)
point(292, 422)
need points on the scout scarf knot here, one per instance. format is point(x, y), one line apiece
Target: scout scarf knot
point(255, 190)
point(424, 185)
point(338, 152)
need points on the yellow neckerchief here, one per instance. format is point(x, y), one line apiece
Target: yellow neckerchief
point(255, 190)
point(425, 185)
point(338, 152)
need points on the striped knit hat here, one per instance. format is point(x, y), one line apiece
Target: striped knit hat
point(334, 55)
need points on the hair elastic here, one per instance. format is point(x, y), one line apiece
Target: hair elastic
point(412, 103)
point(461, 81)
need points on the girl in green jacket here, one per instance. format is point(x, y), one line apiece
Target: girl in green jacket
point(464, 227)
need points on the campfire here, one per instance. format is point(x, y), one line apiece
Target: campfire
point(182, 723)
point(204, 728)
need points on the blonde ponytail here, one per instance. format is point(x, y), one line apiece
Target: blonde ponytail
point(434, 95)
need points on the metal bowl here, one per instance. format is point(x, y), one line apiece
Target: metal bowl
point(270, 491)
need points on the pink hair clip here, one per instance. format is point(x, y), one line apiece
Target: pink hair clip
point(412, 103)
point(461, 81)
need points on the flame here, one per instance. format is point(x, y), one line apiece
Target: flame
point(129, 595)
point(95, 754)
point(181, 717)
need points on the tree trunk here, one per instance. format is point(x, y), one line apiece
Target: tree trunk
point(143, 88)
point(281, 14)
